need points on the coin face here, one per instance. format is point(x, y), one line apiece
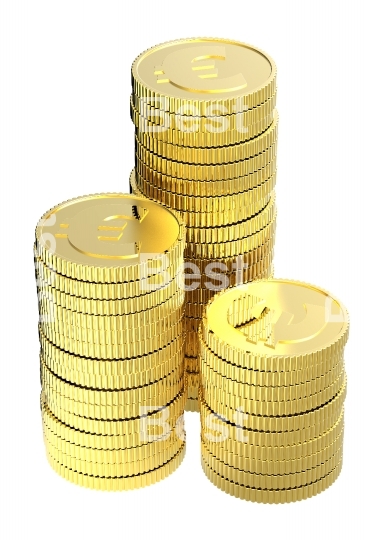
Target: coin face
point(300, 318)
point(109, 230)
point(203, 68)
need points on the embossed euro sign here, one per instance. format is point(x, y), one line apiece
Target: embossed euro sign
point(283, 329)
point(203, 67)
point(194, 69)
point(300, 318)
point(103, 238)
point(118, 229)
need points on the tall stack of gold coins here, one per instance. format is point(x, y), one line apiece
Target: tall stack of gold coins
point(272, 391)
point(206, 139)
point(112, 368)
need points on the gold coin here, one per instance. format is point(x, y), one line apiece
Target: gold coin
point(262, 481)
point(271, 496)
point(205, 219)
point(61, 405)
point(221, 279)
point(211, 156)
point(142, 111)
point(131, 447)
point(120, 307)
point(107, 470)
point(206, 188)
point(219, 274)
point(118, 483)
point(241, 264)
point(117, 434)
point(112, 346)
point(118, 470)
point(260, 242)
point(280, 394)
point(139, 459)
point(314, 418)
point(112, 398)
point(156, 287)
point(258, 270)
point(204, 73)
point(278, 466)
point(320, 332)
point(112, 382)
point(199, 139)
point(316, 373)
point(124, 407)
point(146, 333)
point(222, 171)
point(266, 408)
point(186, 203)
point(113, 377)
point(108, 238)
point(144, 452)
point(114, 374)
point(164, 314)
point(113, 351)
point(230, 436)
point(275, 495)
point(189, 121)
point(234, 213)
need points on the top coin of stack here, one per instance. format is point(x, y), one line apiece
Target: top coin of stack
point(272, 390)
point(205, 140)
point(111, 340)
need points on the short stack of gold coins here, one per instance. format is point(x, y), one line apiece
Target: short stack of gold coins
point(205, 145)
point(112, 369)
point(272, 390)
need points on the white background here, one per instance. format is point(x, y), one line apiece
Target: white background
point(65, 131)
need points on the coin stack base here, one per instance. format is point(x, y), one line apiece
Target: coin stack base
point(272, 393)
point(112, 343)
point(205, 145)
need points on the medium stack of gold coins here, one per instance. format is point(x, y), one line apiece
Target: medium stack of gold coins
point(272, 391)
point(205, 141)
point(111, 340)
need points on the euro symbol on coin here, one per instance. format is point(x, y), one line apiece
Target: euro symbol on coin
point(283, 330)
point(194, 69)
point(88, 230)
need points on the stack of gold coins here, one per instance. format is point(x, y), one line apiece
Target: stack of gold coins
point(112, 368)
point(205, 141)
point(272, 390)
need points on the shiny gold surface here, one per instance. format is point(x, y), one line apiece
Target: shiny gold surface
point(300, 325)
point(204, 72)
point(125, 350)
point(271, 495)
point(272, 390)
point(152, 290)
point(109, 275)
point(210, 156)
point(120, 483)
point(211, 187)
point(105, 235)
point(221, 171)
point(108, 434)
point(206, 132)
